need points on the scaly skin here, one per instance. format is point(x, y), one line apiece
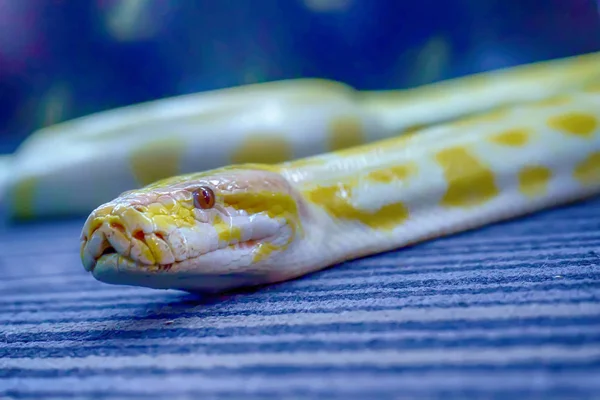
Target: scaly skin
point(277, 222)
point(101, 155)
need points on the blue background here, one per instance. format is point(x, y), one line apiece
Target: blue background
point(62, 59)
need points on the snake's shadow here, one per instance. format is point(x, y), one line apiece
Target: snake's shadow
point(199, 314)
point(197, 311)
point(180, 315)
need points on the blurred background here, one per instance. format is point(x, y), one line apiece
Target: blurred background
point(62, 59)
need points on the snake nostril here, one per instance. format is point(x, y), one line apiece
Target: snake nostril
point(139, 235)
point(117, 226)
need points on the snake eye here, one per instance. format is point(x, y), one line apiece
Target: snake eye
point(204, 197)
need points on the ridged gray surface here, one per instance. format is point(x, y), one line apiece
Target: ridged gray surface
point(508, 311)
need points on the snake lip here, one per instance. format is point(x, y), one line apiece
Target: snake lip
point(108, 251)
point(94, 253)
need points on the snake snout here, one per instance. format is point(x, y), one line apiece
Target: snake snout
point(105, 239)
point(125, 235)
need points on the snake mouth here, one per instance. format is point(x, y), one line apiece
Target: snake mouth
point(202, 273)
point(107, 251)
point(111, 244)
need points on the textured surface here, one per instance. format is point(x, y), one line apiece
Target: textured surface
point(512, 309)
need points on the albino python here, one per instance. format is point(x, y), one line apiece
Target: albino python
point(478, 150)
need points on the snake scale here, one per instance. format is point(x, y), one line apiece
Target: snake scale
point(300, 175)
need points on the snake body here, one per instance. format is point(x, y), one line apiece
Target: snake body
point(68, 169)
point(300, 175)
point(250, 224)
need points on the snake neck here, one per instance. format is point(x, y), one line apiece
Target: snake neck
point(445, 179)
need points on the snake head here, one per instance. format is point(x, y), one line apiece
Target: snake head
point(202, 232)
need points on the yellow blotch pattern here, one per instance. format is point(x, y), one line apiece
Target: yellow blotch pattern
point(588, 171)
point(512, 138)
point(264, 250)
point(275, 205)
point(574, 123)
point(336, 200)
point(387, 175)
point(533, 180)
point(263, 148)
point(164, 216)
point(345, 132)
point(156, 160)
point(23, 196)
point(470, 182)
point(226, 232)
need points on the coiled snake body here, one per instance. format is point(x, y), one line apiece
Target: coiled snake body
point(491, 147)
